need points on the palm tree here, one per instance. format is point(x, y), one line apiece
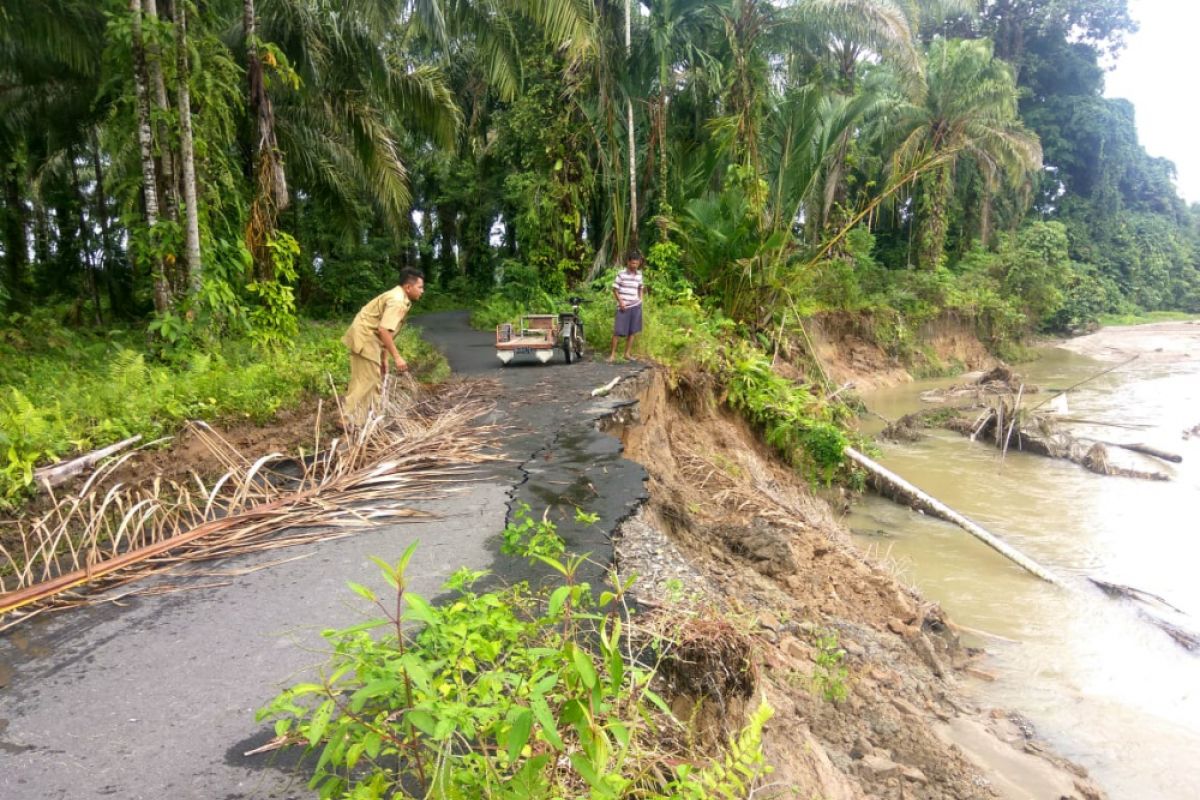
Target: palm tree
point(968, 109)
point(843, 34)
point(677, 32)
point(356, 93)
point(162, 294)
point(50, 74)
point(187, 155)
point(270, 194)
point(633, 201)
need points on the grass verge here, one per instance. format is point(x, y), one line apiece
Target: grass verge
point(66, 392)
point(1145, 317)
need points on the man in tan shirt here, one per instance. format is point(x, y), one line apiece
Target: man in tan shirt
point(370, 339)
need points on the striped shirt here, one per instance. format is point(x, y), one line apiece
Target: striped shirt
point(629, 287)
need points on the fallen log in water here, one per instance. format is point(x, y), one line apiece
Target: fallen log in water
point(1152, 608)
point(1146, 449)
point(895, 487)
point(901, 491)
point(1142, 596)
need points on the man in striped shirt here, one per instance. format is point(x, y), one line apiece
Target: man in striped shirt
point(628, 288)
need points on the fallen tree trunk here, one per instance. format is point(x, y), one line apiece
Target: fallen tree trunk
point(1153, 609)
point(58, 474)
point(1146, 449)
point(895, 487)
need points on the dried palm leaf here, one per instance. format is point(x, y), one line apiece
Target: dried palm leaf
point(419, 448)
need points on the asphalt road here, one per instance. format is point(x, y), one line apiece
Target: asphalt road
point(156, 698)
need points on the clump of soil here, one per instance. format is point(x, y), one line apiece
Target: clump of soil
point(862, 673)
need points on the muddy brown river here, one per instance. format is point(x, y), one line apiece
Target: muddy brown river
point(1104, 686)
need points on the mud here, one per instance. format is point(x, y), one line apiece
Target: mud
point(728, 525)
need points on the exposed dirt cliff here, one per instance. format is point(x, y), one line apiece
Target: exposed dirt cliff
point(867, 351)
point(865, 676)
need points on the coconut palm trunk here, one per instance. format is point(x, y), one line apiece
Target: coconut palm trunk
point(270, 193)
point(162, 294)
point(187, 157)
point(935, 200)
point(633, 198)
point(166, 154)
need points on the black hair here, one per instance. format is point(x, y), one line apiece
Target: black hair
point(634, 255)
point(409, 275)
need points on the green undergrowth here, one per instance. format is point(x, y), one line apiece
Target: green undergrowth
point(1145, 317)
point(1026, 283)
point(809, 432)
point(65, 391)
point(514, 693)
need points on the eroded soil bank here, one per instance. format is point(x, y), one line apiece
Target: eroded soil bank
point(728, 526)
point(847, 345)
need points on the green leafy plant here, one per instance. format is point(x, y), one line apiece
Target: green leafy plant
point(118, 388)
point(171, 328)
point(273, 320)
point(830, 675)
point(506, 694)
point(791, 419)
point(734, 776)
point(529, 538)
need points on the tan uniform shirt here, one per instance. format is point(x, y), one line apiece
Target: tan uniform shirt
point(387, 310)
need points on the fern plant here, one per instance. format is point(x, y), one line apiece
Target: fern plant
point(733, 777)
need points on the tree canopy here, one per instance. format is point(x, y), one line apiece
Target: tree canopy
point(217, 167)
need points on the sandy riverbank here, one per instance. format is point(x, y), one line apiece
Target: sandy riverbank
point(1163, 342)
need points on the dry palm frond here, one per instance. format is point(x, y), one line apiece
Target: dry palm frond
point(107, 536)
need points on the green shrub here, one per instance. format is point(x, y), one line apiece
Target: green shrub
point(506, 694)
point(790, 418)
point(830, 674)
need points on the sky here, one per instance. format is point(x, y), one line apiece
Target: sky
point(1157, 72)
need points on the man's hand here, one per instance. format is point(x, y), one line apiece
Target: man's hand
point(401, 364)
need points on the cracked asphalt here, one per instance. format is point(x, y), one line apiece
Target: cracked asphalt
point(155, 698)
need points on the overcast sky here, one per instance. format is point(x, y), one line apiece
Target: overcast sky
point(1158, 72)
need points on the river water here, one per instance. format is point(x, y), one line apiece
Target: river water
point(1099, 682)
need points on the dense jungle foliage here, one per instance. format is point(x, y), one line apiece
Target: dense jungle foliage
point(204, 173)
